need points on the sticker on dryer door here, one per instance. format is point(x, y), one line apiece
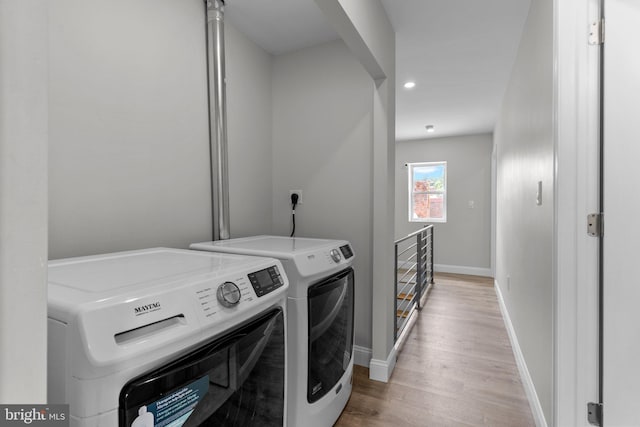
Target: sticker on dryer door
point(173, 409)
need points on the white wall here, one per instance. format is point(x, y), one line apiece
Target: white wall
point(524, 238)
point(248, 72)
point(107, 193)
point(23, 201)
point(365, 28)
point(322, 136)
point(464, 241)
point(129, 153)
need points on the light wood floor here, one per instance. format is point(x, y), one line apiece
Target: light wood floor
point(456, 367)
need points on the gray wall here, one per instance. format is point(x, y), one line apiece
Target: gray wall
point(249, 129)
point(23, 202)
point(129, 154)
point(464, 241)
point(524, 235)
point(365, 28)
point(322, 120)
point(129, 148)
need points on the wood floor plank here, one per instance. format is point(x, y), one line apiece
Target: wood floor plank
point(456, 367)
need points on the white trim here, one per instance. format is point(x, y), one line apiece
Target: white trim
point(576, 147)
point(527, 382)
point(411, 320)
point(494, 188)
point(460, 269)
point(361, 355)
point(380, 370)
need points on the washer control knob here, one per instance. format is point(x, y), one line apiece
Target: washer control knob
point(228, 294)
point(335, 255)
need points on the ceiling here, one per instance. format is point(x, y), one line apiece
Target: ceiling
point(458, 52)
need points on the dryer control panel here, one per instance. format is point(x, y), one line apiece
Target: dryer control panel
point(346, 251)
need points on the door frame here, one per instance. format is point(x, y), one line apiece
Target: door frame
point(577, 173)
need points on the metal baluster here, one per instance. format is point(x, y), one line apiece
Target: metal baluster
point(422, 250)
point(395, 298)
point(418, 286)
point(432, 253)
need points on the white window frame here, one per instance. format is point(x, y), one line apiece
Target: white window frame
point(411, 193)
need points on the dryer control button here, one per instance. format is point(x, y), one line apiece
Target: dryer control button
point(335, 255)
point(228, 294)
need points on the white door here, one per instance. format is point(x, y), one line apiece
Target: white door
point(621, 334)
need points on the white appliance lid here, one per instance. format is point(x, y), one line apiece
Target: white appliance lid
point(275, 246)
point(136, 269)
point(131, 308)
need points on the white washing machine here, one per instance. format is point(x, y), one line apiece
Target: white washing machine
point(320, 322)
point(168, 337)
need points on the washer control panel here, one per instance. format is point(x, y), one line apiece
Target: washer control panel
point(228, 294)
point(219, 299)
point(265, 281)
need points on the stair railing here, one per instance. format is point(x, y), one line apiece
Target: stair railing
point(413, 274)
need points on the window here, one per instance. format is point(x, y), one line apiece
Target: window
point(427, 192)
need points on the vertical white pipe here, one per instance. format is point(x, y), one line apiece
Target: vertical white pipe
point(218, 119)
point(23, 201)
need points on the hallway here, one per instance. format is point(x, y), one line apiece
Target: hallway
point(455, 369)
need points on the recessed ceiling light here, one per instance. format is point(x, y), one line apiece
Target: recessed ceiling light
point(409, 85)
point(430, 128)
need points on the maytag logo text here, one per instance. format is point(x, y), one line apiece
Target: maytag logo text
point(143, 309)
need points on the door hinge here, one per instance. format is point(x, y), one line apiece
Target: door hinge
point(595, 225)
point(594, 413)
point(596, 32)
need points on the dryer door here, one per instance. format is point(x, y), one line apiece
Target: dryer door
point(235, 380)
point(330, 332)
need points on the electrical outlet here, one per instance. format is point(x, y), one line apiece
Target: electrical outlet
point(298, 192)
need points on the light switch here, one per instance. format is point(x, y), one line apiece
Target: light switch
point(539, 194)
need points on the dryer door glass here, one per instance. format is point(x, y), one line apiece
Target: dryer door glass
point(330, 332)
point(235, 380)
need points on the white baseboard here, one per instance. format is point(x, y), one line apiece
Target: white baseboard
point(459, 269)
point(380, 370)
point(361, 356)
point(525, 377)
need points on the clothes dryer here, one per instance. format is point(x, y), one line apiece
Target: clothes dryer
point(320, 323)
point(168, 337)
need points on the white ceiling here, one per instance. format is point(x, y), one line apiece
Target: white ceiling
point(280, 26)
point(459, 53)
